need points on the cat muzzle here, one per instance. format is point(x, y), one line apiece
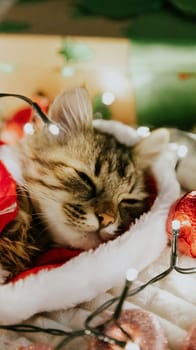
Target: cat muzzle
point(105, 220)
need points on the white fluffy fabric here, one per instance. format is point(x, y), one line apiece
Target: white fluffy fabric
point(89, 277)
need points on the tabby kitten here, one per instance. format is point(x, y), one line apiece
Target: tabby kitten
point(76, 189)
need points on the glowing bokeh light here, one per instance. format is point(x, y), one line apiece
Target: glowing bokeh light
point(28, 129)
point(108, 98)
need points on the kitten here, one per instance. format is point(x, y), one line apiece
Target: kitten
point(79, 188)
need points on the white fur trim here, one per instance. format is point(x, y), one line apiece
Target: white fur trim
point(10, 160)
point(123, 133)
point(95, 272)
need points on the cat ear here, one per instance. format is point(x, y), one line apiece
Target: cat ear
point(72, 110)
point(149, 148)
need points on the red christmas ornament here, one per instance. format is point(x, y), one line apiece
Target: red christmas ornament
point(143, 328)
point(8, 201)
point(190, 340)
point(184, 210)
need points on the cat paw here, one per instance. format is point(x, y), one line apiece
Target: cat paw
point(4, 274)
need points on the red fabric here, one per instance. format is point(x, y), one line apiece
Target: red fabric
point(21, 117)
point(8, 197)
point(13, 129)
point(49, 260)
point(151, 188)
point(56, 256)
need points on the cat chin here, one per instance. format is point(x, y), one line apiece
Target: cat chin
point(107, 236)
point(109, 233)
point(4, 274)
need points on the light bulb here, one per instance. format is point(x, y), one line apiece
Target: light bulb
point(28, 129)
point(175, 225)
point(54, 129)
point(131, 274)
point(132, 346)
point(143, 131)
point(182, 151)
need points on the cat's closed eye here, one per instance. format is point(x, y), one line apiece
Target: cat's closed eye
point(131, 208)
point(131, 201)
point(88, 182)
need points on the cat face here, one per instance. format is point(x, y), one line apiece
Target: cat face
point(86, 185)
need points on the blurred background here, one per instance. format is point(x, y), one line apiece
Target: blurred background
point(137, 58)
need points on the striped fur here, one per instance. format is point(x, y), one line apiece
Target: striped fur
point(73, 182)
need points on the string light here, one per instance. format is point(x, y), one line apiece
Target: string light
point(94, 331)
point(28, 129)
point(98, 331)
point(131, 274)
point(132, 346)
point(175, 225)
point(182, 151)
point(173, 266)
point(143, 131)
point(54, 129)
point(33, 104)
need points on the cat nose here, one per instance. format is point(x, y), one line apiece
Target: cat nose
point(105, 219)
